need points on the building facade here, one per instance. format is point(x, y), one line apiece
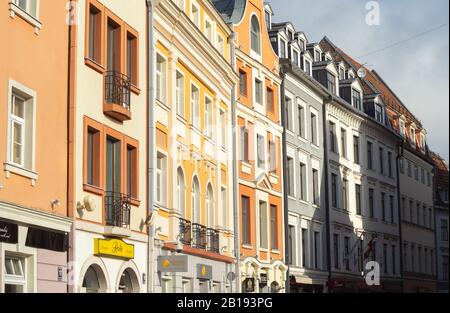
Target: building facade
point(441, 221)
point(34, 223)
point(259, 129)
point(306, 242)
point(193, 187)
point(107, 144)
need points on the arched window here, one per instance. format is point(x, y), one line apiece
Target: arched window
point(210, 207)
point(94, 280)
point(129, 282)
point(195, 201)
point(181, 193)
point(255, 32)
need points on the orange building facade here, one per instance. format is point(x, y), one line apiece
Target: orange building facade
point(34, 225)
point(259, 136)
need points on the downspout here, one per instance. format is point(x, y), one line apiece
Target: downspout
point(285, 182)
point(237, 237)
point(151, 143)
point(400, 153)
point(327, 196)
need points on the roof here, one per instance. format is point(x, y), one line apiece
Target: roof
point(441, 177)
point(232, 11)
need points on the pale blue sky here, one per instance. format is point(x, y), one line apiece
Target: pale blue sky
point(417, 71)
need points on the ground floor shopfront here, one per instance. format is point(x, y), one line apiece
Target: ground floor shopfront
point(341, 283)
point(416, 283)
point(307, 281)
point(106, 264)
point(33, 251)
point(262, 277)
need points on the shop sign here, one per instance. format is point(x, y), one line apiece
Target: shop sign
point(173, 264)
point(113, 248)
point(249, 285)
point(8, 232)
point(204, 272)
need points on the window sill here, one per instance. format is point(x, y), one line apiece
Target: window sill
point(248, 247)
point(135, 202)
point(275, 251)
point(135, 89)
point(93, 189)
point(15, 10)
point(94, 65)
point(11, 168)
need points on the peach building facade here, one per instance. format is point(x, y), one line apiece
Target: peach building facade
point(34, 223)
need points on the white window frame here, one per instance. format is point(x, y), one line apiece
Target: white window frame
point(195, 106)
point(209, 116)
point(314, 112)
point(208, 31)
point(223, 128)
point(180, 94)
point(195, 17)
point(16, 279)
point(303, 105)
point(161, 78)
point(253, 52)
point(31, 100)
point(221, 44)
point(257, 81)
point(31, 17)
point(161, 190)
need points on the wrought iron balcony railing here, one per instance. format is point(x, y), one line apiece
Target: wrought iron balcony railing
point(185, 232)
point(118, 208)
point(212, 240)
point(199, 236)
point(117, 89)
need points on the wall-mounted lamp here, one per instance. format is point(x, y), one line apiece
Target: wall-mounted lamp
point(55, 202)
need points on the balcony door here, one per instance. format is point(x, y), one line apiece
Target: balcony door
point(113, 179)
point(113, 53)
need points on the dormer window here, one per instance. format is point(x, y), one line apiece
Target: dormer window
point(341, 73)
point(295, 56)
point(282, 49)
point(356, 99)
point(308, 67)
point(351, 75)
point(422, 141)
point(379, 115)
point(412, 136)
point(291, 35)
point(331, 81)
point(268, 19)
point(255, 33)
point(402, 128)
point(302, 44)
point(317, 56)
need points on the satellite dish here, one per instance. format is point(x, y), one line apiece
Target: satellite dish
point(362, 72)
point(89, 203)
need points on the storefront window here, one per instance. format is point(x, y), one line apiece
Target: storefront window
point(90, 281)
point(14, 274)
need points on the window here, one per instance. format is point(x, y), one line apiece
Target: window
point(114, 52)
point(274, 227)
point(210, 208)
point(418, 213)
point(270, 100)
point(195, 107)
point(93, 157)
point(295, 57)
point(392, 207)
point(381, 153)
point(220, 45)
point(332, 137)
point(347, 253)
point(430, 218)
point(223, 196)
point(345, 194)
point(424, 215)
point(370, 155)
point(358, 199)
point(422, 176)
point(304, 247)
point(344, 142)
point(331, 83)
point(341, 73)
point(21, 127)
point(411, 211)
point(390, 172)
point(379, 116)
point(244, 144)
point(317, 56)
point(334, 199)
point(413, 258)
point(425, 267)
point(316, 197)
point(402, 165)
point(14, 278)
point(179, 94)
point(302, 44)
point(131, 172)
point(301, 121)
point(243, 83)
point(416, 172)
point(356, 149)
point(291, 244)
point(308, 67)
point(356, 99)
point(161, 174)
point(258, 91)
point(255, 35)
point(444, 230)
point(419, 256)
point(208, 30)
point(383, 206)
point(288, 113)
point(444, 263)
point(245, 202)
point(223, 129)
point(303, 194)
point(166, 285)
point(186, 285)
point(403, 208)
point(273, 156)
point(385, 258)
point(132, 58)
point(282, 49)
point(429, 181)
point(29, 6)
point(372, 203)
point(195, 15)
point(261, 152)
point(181, 193)
point(290, 177)
point(336, 250)
point(161, 79)
point(412, 136)
point(195, 201)
point(209, 115)
point(409, 169)
point(267, 19)
point(95, 34)
point(314, 138)
point(316, 250)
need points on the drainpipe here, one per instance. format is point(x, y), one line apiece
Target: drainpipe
point(237, 237)
point(400, 152)
point(327, 196)
point(285, 182)
point(151, 142)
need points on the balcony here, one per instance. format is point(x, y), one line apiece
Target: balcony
point(198, 236)
point(117, 96)
point(212, 240)
point(185, 232)
point(118, 209)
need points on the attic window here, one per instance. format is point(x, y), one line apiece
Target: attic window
point(268, 17)
point(351, 75)
point(412, 136)
point(379, 116)
point(302, 44)
point(291, 35)
point(282, 49)
point(255, 33)
point(341, 73)
point(317, 56)
point(402, 128)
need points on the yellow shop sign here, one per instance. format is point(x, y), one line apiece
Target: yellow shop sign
point(114, 248)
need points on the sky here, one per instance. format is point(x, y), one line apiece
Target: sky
point(416, 70)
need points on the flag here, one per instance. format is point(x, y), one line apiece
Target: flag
point(369, 249)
